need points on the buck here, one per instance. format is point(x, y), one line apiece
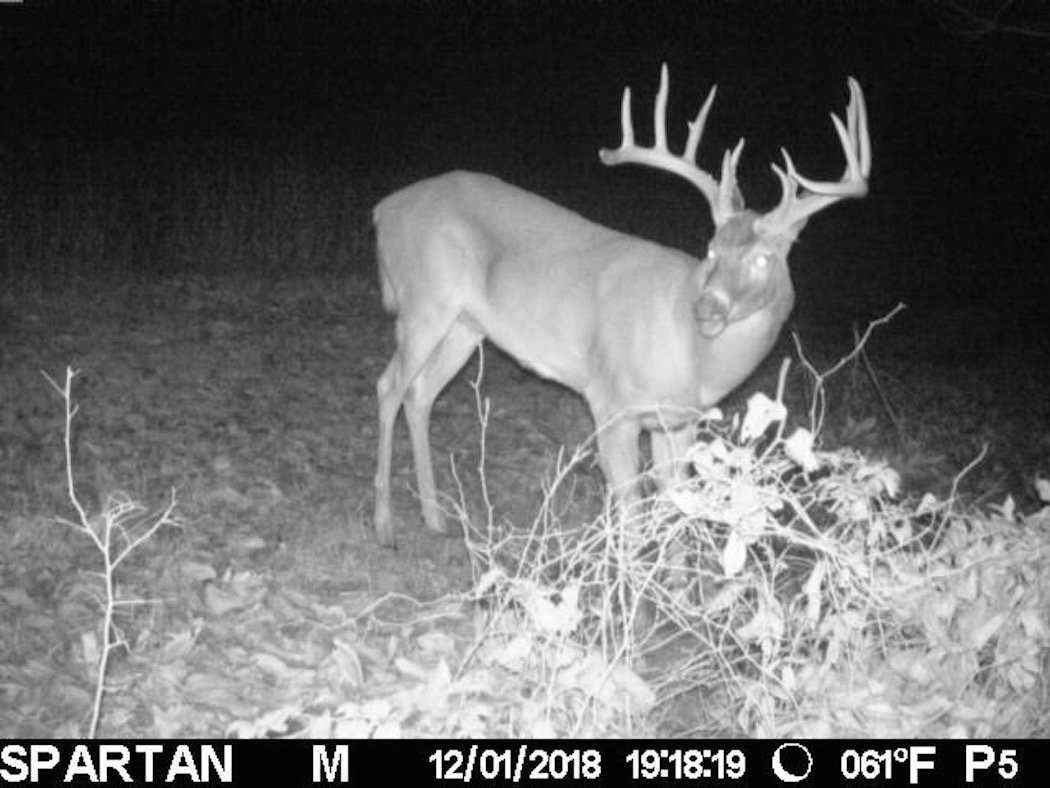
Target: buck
point(648, 335)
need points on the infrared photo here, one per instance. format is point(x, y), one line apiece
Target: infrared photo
point(573, 370)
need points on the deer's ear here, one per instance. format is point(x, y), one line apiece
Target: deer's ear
point(779, 237)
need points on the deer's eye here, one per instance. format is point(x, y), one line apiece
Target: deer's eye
point(761, 262)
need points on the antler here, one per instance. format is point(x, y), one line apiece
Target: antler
point(723, 197)
point(795, 207)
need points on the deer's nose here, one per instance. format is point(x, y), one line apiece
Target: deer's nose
point(711, 312)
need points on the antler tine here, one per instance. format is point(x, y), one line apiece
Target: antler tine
point(660, 112)
point(729, 199)
point(696, 126)
point(660, 157)
point(853, 136)
point(625, 120)
point(859, 124)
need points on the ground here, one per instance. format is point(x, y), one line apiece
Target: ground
point(254, 402)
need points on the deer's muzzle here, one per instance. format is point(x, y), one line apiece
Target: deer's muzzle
point(711, 312)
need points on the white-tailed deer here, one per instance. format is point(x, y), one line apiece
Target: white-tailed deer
point(650, 336)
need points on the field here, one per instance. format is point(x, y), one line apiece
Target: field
point(250, 395)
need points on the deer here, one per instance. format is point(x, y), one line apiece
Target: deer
point(648, 335)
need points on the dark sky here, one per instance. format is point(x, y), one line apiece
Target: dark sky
point(530, 90)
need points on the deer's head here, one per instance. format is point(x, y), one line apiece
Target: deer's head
point(745, 270)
